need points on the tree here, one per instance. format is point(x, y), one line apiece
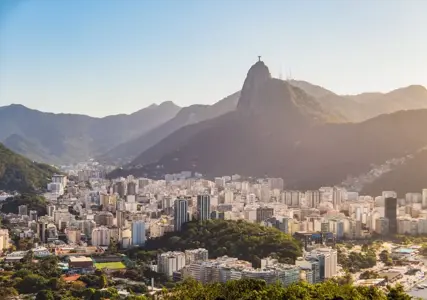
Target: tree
point(239, 239)
point(78, 285)
point(8, 293)
point(31, 284)
point(113, 246)
point(103, 281)
point(397, 293)
point(45, 295)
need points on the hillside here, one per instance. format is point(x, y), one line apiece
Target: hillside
point(280, 131)
point(126, 152)
point(241, 239)
point(336, 289)
point(18, 173)
point(409, 177)
point(64, 138)
point(361, 107)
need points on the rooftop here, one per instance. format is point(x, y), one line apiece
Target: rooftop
point(80, 259)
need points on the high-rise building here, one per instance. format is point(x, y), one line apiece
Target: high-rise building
point(119, 188)
point(264, 213)
point(170, 262)
point(101, 236)
point(311, 264)
point(50, 210)
point(337, 197)
point(23, 210)
point(276, 183)
point(73, 235)
point(382, 226)
point(391, 214)
point(194, 255)
point(138, 233)
point(131, 188)
point(104, 218)
point(120, 218)
point(424, 199)
point(328, 260)
point(203, 207)
point(312, 198)
point(4, 240)
point(180, 213)
point(33, 215)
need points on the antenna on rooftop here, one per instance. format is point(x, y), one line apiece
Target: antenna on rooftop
point(280, 73)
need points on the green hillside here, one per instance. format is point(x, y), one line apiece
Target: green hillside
point(18, 173)
point(241, 239)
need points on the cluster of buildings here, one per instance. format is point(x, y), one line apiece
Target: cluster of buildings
point(129, 210)
point(87, 213)
point(317, 265)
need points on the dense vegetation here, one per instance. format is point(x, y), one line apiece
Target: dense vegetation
point(33, 201)
point(355, 261)
point(241, 239)
point(43, 278)
point(259, 290)
point(18, 173)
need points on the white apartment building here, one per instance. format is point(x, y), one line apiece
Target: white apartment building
point(169, 262)
point(4, 240)
point(101, 236)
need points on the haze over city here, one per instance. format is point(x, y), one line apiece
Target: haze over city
point(108, 57)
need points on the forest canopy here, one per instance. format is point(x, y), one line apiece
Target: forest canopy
point(241, 239)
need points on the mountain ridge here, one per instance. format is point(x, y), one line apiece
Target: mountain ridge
point(18, 173)
point(70, 137)
point(285, 133)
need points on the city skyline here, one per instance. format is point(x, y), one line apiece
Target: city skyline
point(118, 57)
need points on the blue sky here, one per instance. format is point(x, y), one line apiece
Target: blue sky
point(103, 57)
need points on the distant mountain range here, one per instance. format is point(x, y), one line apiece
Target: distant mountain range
point(18, 173)
point(127, 151)
point(289, 130)
point(302, 132)
point(65, 138)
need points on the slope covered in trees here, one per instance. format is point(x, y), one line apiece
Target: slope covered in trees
point(20, 174)
point(258, 289)
point(241, 239)
point(33, 202)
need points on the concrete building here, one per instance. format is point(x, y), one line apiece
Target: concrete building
point(73, 235)
point(264, 213)
point(138, 233)
point(391, 213)
point(328, 261)
point(180, 213)
point(23, 210)
point(382, 226)
point(195, 255)
point(101, 236)
point(4, 240)
point(203, 207)
point(169, 262)
point(424, 199)
point(104, 218)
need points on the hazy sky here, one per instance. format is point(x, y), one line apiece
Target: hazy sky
point(103, 57)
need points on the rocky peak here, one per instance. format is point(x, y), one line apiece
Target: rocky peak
point(257, 76)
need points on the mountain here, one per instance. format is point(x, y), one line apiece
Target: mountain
point(358, 108)
point(67, 138)
point(409, 177)
point(279, 130)
point(126, 152)
point(18, 173)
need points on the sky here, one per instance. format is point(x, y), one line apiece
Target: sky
point(103, 57)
